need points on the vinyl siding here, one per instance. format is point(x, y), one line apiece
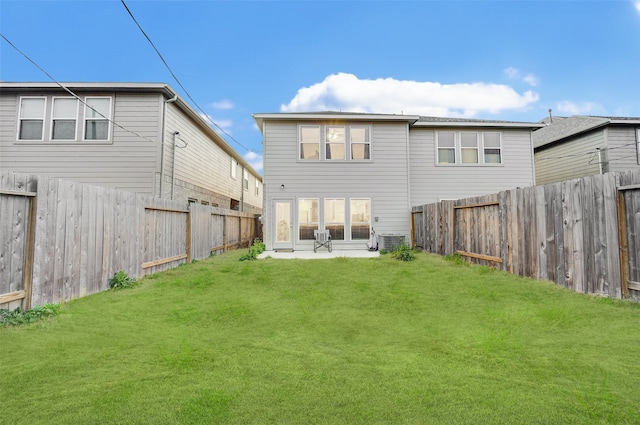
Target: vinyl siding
point(571, 159)
point(127, 162)
point(622, 152)
point(383, 179)
point(431, 182)
point(202, 168)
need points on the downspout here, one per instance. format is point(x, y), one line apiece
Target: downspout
point(600, 159)
point(173, 170)
point(164, 123)
point(409, 183)
point(242, 189)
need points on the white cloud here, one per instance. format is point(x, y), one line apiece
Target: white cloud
point(254, 159)
point(515, 74)
point(572, 108)
point(636, 3)
point(222, 104)
point(346, 92)
point(224, 124)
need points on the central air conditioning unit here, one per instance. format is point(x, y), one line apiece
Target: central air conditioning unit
point(390, 242)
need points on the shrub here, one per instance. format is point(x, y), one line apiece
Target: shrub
point(121, 280)
point(20, 317)
point(256, 249)
point(404, 253)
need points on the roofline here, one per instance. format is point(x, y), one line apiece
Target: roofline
point(352, 116)
point(493, 124)
point(595, 126)
point(161, 88)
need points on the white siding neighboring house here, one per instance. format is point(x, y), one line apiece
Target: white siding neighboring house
point(579, 146)
point(143, 138)
point(351, 173)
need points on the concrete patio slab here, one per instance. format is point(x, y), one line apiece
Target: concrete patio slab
point(321, 254)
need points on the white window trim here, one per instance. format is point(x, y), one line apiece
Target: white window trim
point(76, 118)
point(299, 222)
point(350, 233)
point(322, 144)
point(108, 119)
point(234, 168)
point(326, 142)
point(44, 114)
point(458, 150)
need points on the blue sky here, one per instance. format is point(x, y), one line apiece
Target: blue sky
point(508, 60)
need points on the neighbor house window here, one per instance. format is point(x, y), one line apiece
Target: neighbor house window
point(63, 118)
point(257, 187)
point(336, 138)
point(245, 179)
point(360, 142)
point(310, 142)
point(469, 147)
point(307, 218)
point(360, 210)
point(446, 147)
point(31, 118)
point(234, 168)
point(334, 218)
point(97, 115)
point(492, 148)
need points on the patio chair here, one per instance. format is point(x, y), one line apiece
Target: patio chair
point(322, 239)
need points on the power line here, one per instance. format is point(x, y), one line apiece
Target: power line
point(72, 93)
point(205, 115)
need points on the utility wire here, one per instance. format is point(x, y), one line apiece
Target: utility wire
point(205, 115)
point(72, 93)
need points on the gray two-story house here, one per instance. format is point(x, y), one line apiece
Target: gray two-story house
point(578, 146)
point(137, 137)
point(354, 173)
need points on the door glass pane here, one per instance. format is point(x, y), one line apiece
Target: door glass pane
point(283, 222)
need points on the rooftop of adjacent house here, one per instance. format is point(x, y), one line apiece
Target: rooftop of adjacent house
point(558, 128)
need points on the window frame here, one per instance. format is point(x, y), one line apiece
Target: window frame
point(257, 187)
point(54, 118)
point(366, 143)
point(310, 237)
point(352, 221)
point(245, 179)
point(328, 223)
point(301, 142)
point(86, 119)
point(328, 144)
point(458, 149)
point(234, 168)
point(20, 118)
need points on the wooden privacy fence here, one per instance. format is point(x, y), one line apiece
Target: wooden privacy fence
point(61, 240)
point(583, 234)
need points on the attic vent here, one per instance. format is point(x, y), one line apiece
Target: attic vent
point(390, 242)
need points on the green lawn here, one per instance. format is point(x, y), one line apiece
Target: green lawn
point(343, 341)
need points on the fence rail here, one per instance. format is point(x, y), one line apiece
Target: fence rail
point(583, 234)
point(61, 240)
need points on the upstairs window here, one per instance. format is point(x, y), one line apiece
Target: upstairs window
point(469, 147)
point(310, 142)
point(64, 118)
point(257, 187)
point(245, 179)
point(234, 168)
point(336, 138)
point(31, 126)
point(446, 147)
point(97, 115)
point(492, 148)
point(360, 142)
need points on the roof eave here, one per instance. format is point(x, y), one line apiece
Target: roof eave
point(432, 124)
